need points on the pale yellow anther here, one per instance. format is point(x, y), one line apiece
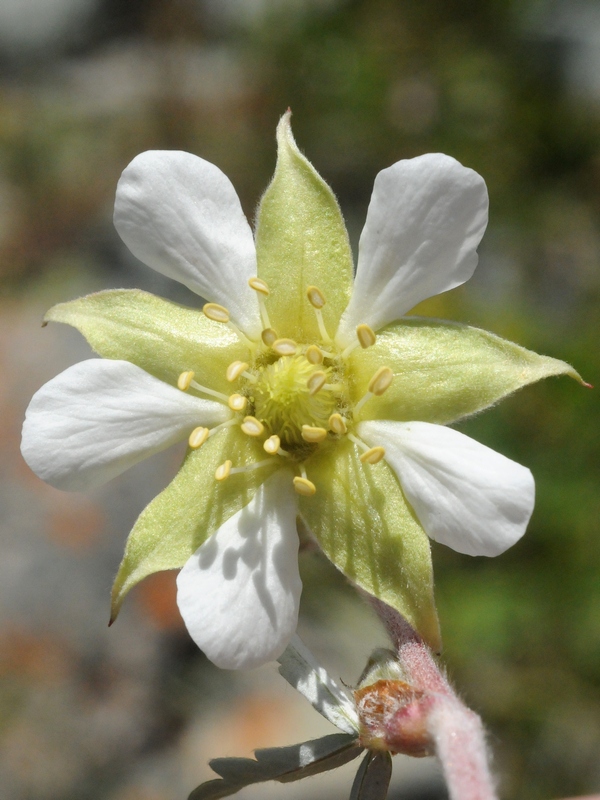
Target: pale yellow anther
point(312, 434)
point(381, 381)
point(237, 402)
point(304, 487)
point(365, 335)
point(373, 455)
point(269, 336)
point(235, 369)
point(223, 471)
point(216, 312)
point(337, 424)
point(252, 426)
point(259, 286)
point(197, 437)
point(184, 380)
point(316, 382)
point(315, 297)
point(285, 347)
point(271, 446)
point(314, 354)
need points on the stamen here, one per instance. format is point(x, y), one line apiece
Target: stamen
point(235, 369)
point(262, 290)
point(197, 437)
point(228, 424)
point(314, 354)
point(256, 465)
point(269, 336)
point(223, 471)
point(237, 402)
point(285, 347)
point(317, 301)
point(272, 444)
point(304, 487)
point(312, 434)
point(252, 427)
point(337, 424)
point(365, 338)
point(316, 382)
point(186, 379)
point(373, 455)
point(381, 381)
point(220, 314)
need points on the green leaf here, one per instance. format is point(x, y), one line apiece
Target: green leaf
point(444, 371)
point(283, 764)
point(192, 507)
point(300, 669)
point(373, 777)
point(161, 337)
point(366, 528)
point(301, 240)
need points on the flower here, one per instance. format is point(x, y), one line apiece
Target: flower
point(300, 394)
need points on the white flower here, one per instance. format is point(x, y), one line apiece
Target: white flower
point(316, 426)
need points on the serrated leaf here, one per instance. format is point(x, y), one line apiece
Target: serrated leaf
point(367, 529)
point(444, 371)
point(373, 777)
point(301, 240)
point(192, 507)
point(161, 337)
point(282, 764)
point(300, 669)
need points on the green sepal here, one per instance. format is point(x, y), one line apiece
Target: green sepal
point(161, 337)
point(366, 528)
point(373, 777)
point(301, 240)
point(444, 371)
point(192, 507)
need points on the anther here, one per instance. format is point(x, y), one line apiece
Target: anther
point(186, 379)
point(316, 382)
point(271, 446)
point(216, 312)
point(223, 471)
point(285, 347)
point(269, 336)
point(252, 427)
point(373, 455)
point(312, 434)
point(365, 335)
point(304, 487)
point(314, 354)
point(317, 301)
point(197, 437)
point(262, 290)
point(381, 381)
point(237, 402)
point(259, 286)
point(235, 369)
point(337, 424)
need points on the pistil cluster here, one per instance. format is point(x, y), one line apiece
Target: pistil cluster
point(293, 396)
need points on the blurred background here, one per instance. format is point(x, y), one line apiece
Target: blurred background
point(509, 87)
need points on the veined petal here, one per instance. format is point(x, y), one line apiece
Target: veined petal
point(239, 593)
point(444, 371)
point(163, 338)
point(425, 220)
point(191, 508)
point(301, 240)
point(181, 216)
point(465, 495)
point(98, 418)
point(366, 528)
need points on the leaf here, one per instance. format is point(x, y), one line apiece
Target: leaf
point(192, 507)
point(301, 240)
point(367, 529)
point(161, 337)
point(300, 669)
point(282, 764)
point(373, 777)
point(444, 371)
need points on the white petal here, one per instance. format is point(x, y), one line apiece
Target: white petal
point(240, 591)
point(426, 217)
point(100, 417)
point(181, 215)
point(465, 495)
